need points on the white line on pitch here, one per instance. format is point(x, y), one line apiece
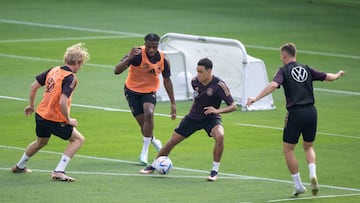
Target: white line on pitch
point(63, 39)
point(66, 27)
point(141, 35)
point(314, 197)
point(276, 128)
point(166, 115)
point(306, 52)
point(229, 175)
point(109, 66)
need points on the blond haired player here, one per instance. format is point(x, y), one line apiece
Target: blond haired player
point(53, 113)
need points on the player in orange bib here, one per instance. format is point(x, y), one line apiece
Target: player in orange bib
point(53, 113)
point(145, 65)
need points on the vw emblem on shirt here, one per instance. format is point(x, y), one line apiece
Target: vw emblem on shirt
point(299, 74)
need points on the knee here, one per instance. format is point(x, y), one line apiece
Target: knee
point(148, 115)
point(42, 143)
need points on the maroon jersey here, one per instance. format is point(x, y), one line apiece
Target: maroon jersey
point(211, 94)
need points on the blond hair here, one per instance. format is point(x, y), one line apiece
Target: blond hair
point(76, 53)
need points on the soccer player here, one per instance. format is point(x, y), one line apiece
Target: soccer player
point(145, 64)
point(209, 92)
point(301, 118)
point(53, 113)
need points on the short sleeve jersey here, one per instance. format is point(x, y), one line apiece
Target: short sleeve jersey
point(211, 94)
point(297, 80)
point(57, 81)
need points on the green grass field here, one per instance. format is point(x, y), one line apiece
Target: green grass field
point(35, 34)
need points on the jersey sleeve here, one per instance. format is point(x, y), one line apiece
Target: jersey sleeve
point(279, 78)
point(68, 85)
point(166, 73)
point(317, 75)
point(41, 78)
point(225, 94)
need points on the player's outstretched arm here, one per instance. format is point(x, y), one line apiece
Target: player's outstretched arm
point(332, 76)
point(267, 90)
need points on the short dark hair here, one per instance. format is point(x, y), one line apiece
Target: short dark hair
point(290, 48)
point(152, 37)
point(206, 63)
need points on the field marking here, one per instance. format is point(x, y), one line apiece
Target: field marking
point(66, 27)
point(276, 128)
point(314, 197)
point(167, 115)
point(64, 39)
point(112, 66)
point(229, 175)
point(141, 35)
point(305, 52)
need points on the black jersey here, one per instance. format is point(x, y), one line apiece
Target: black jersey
point(297, 80)
point(211, 94)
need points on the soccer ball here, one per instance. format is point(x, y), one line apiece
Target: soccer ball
point(163, 164)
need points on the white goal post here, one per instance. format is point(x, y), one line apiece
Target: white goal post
point(245, 75)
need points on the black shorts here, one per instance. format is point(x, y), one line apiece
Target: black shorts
point(300, 120)
point(136, 100)
point(44, 128)
point(188, 126)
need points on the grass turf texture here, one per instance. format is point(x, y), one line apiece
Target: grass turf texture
point(253, 167)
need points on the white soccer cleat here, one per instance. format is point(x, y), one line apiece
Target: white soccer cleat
point(314, 186)
point(157, 144)
point(61, 176)
point(299, 191)
point(213, 176)
point(16, 169)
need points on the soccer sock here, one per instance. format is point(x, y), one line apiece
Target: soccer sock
point(216, 166)
point(312, 170)
point(22, 162)
point(145, 148)
point(297, 180)
point(63, 163)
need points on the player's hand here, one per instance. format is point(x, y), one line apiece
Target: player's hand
point(210, 110)
point(73, 122)
point(29, 110)
point(341, 73)
point(133, 52)
point(173, 111)
point(250, 101)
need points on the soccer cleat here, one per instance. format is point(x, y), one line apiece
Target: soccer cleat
point(298, 191)
point(143, 160)
point(212, 176)
point(157, 144)
point(147, 170)
point(314, 186)
point(16, 169)
point(61, 176)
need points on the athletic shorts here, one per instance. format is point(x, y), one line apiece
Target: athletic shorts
point(136, 100)
point(300, 120)
point(44, 128)
point(188, 126)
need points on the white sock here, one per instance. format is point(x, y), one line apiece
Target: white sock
point(153, 139)
point(312, 170)
point(63, 163)
point(216, 166)
point(22, 162)
point(145, 148)
point(297, 180)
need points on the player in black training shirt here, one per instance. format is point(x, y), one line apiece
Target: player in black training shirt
point(209, 92)
point(297, 81)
